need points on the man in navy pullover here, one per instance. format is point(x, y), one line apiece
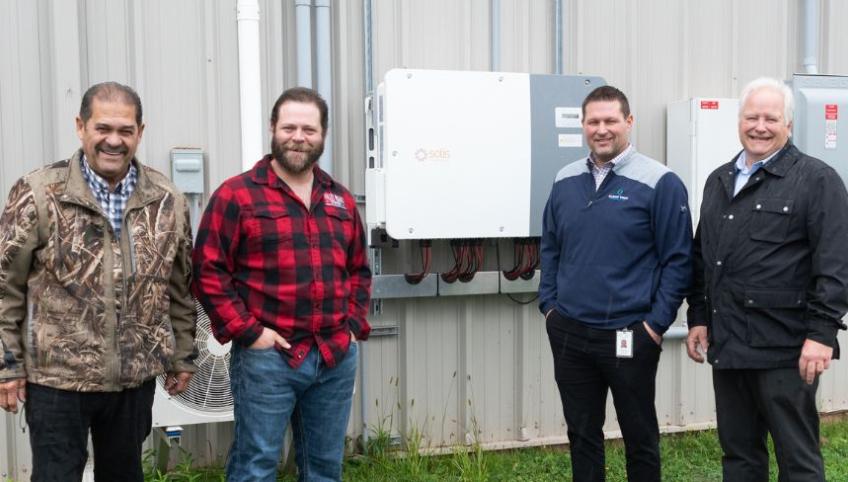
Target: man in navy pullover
point(616, 265)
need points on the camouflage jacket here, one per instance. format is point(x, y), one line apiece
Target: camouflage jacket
point(81, 310)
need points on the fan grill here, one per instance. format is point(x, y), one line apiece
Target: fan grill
point(209, 388)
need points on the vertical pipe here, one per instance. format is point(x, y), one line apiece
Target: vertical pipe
point(495, 36)
point(368, 61)
point(324, 58)
point(303, 19)
point(811, 36)
point(368, 70)
point(250, 87)
point(558, 36)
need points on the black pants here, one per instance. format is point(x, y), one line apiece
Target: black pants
point(585, 367)
point(59, 422)
point(750, 403)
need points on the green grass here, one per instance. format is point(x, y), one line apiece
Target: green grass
point(686, 457)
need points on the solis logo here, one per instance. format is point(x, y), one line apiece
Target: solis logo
point(618, 195)
point(432, 154)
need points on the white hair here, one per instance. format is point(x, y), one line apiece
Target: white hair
point(775, 85)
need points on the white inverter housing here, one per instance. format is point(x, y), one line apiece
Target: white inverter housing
point(458, 154)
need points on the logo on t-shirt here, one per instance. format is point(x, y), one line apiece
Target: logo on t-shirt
point(618, 195)
point(334, 200)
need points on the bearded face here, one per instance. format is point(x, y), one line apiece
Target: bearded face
point(296, 158)
point(297, 138)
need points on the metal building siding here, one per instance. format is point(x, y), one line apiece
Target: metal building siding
point(458, 364)
point(21, 104)
point(834, 38)
point(658, 51)
point(833, 385)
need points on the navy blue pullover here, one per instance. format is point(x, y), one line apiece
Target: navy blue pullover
point(620, 254)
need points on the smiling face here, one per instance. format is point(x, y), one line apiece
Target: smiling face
point(606, 128)
point(297, 139)
point(763, 129)
point(110, 138)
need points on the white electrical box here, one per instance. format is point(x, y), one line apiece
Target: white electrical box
point(458, 154)
point(701, 135)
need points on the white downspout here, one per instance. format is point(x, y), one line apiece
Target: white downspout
point(250, 87)
point(811, 36)
point(324, 56)
point(303, 20)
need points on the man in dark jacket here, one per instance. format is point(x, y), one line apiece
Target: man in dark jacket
point(771, 272)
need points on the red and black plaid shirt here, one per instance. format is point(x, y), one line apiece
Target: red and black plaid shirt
point(262, 259)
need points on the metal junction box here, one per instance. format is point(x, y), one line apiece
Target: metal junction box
point(820, 126)
point(187, 169)
point(469, 154)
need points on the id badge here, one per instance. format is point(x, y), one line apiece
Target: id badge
point(624, 343)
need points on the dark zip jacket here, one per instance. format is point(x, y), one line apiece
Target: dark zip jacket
point(771, 263)
point(618, 254)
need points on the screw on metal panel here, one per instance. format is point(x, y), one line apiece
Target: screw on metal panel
point(394, 153)
point(587, 81)
point(500, 79)
point(501, 229)
point(411, 230)
point(408, 76)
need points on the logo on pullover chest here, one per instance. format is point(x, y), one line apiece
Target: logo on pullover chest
point(618, 195)
point(334, 200)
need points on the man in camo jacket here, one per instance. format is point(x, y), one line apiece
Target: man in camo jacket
point(94, 296)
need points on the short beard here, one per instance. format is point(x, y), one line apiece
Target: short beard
point(280, 151)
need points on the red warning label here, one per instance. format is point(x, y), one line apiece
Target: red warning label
point(831, 111)
point(709, 104)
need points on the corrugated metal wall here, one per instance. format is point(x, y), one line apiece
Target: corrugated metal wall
point(458, 363)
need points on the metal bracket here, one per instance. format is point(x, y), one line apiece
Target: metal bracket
point(168, 437)
point(376, 256)
point(396, 286)
point(521, 285)
point(384, 330)
point(380, 239)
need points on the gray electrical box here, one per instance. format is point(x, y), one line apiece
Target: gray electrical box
point(820, 126)
point(187, 169)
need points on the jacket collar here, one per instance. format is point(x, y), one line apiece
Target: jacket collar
point(783, 160)
point(777, 166)
point(77, 190)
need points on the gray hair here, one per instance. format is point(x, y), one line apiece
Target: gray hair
point(110, 91)
point(775, 85)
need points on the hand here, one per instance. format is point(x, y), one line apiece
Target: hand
point(177, 382)
point(352, 337)
point(696, 343)
point(10, 392)
point(815, 359)
point(268, 339)
point(657, 338)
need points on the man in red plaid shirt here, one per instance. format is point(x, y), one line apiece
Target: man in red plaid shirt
point(280, 266)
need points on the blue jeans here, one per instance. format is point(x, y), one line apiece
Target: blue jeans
point(268, 393)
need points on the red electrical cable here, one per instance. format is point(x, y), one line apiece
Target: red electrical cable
point(415, 278)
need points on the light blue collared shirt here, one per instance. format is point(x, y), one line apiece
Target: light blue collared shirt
point(743, 173)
